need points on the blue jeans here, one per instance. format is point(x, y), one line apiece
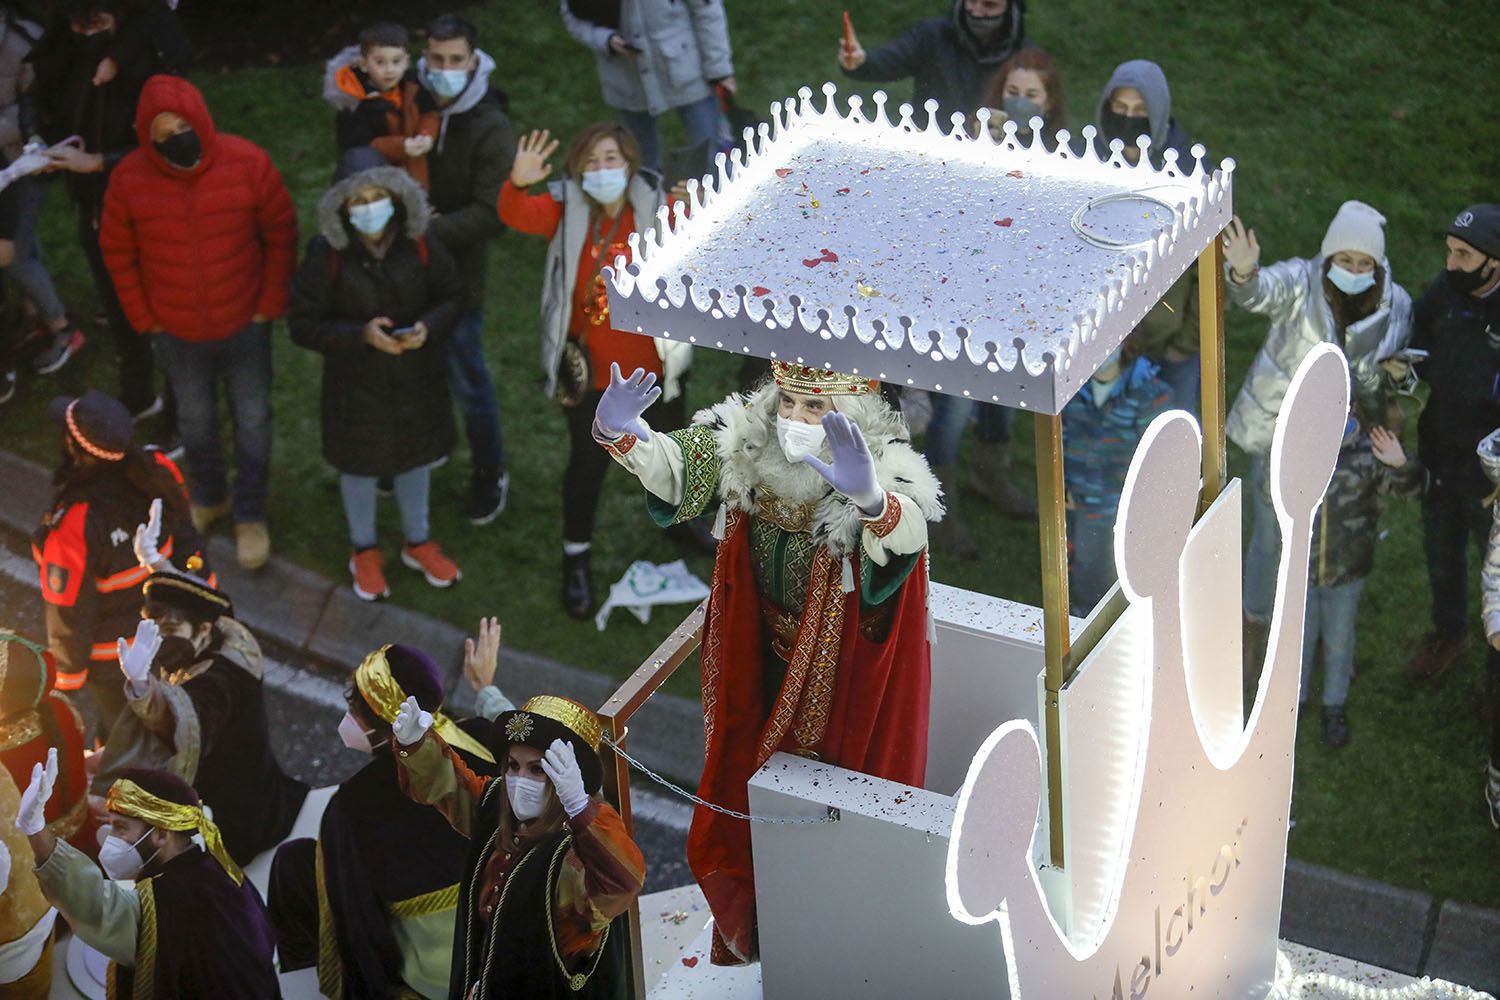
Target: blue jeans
point(1263, 556)
point(28, 269)
point(469, 377)
point(411, 489)
point(1091, 561)
point(1185, 378)
point(242, 361)
point(1331, 615)
point(700, 119)
point(950, 417)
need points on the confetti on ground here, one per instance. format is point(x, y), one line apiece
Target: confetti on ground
point(842, 191)
point(1014, 173)
point(866, 290)
point(1005, 222)
point(783, 171)
point(691, 961)
point(760, 291)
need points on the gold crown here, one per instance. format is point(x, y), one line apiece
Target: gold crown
point(581, 721)
point(819, 381)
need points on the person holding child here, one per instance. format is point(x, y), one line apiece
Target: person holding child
point(551, 868)
point(379, 300)
point(379, 102)
point(589, 216)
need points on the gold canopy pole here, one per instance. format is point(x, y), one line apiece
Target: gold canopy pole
point(1211, 358)
point(1052, 522)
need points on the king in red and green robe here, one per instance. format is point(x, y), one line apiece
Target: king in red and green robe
point(816, 640)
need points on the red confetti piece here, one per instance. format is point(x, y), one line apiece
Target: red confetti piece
point(865, 171)
point(759, 291)
point(944, 281)
point(830, 256)
point(691, 961)
point(1015, 173)
point(783, 171)
point(842, 191)
point(1005, 222)
point(811, 262)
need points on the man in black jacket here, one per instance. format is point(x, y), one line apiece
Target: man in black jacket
point(90, 66)
point(1458, 323)
point(949, 59)
point(470, 161)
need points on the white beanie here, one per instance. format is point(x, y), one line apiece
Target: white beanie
point(1356, 227)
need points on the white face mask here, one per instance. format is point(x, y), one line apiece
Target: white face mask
point(1348, 282)
point(121, 859)
point(605, 185)
point(798, 439)
point(527, 795)
point(354, 735)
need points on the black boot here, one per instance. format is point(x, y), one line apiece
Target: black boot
point(1335, 726)
point(577, 586)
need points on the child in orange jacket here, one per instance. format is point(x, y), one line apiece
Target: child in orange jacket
point(379, 102)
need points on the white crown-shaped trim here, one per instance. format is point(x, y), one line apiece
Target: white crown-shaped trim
point(1196, 903)
point(1059, 305)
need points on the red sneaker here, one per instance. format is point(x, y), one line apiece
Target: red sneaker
point(428, 559)
point(369, 577)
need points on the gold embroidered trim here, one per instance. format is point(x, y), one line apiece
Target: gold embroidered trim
point(575, 717)
point(425, 905)
point(819, 381)
point(700, 471)
point(20, 730)
point(622, 446)
point(330, 966)
point(786, 515)
point(808, 686)
point(817, 695)
point(144, 985)
point(712, 657)
point(886, 523)
point(518, 729)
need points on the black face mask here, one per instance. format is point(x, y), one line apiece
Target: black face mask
point(1113, 125)
point(1469, 282)
point(182, 150)
point(985, 29)
point(175, 652)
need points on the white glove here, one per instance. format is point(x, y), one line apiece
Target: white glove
point(148, 536)
point(31, 816)
point(136, 659)
point(561, 765)
point(4, 867)
point(411, 723)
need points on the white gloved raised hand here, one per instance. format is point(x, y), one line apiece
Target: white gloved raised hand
point(148, 537)
point(561, 765)
point(411, 723)
point(136, 658)
point(31, 816)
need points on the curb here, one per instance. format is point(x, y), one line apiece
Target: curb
point(304, 614)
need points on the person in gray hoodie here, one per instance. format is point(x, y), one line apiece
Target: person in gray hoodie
point(471, 158)
point(654, 56)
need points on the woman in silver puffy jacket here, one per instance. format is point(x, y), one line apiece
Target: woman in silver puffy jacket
point(1344, 296)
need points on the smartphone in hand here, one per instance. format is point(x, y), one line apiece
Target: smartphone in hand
point(402, 332)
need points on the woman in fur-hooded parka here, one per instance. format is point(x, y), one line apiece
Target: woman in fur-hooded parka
point(382, 414)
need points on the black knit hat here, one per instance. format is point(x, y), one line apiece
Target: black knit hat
point(197, 601)
point(545, 718)
point(1479, 226)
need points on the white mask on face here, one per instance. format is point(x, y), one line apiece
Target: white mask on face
point(606, 184)
point(1348, 282)
point(527, 795)
point(798, 439)
point(121, 859)
point(354, 735)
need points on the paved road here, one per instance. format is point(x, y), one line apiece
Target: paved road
point(305, 701)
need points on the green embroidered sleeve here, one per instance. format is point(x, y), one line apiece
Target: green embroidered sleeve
point(700, 478)
point(879, 584)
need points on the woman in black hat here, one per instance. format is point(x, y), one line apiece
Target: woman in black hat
point(551, 868)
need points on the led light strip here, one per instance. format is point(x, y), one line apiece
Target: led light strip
point(1293, 985)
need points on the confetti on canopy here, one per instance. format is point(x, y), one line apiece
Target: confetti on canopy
point(1006, 272)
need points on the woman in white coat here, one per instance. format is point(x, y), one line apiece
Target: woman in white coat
point(1344, 296)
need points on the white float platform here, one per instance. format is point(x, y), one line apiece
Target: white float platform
point(676, 929)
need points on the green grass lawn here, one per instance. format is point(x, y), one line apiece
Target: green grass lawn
point(1316, 101)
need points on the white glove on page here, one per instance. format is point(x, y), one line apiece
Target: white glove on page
point(561, 765)
point(31, 815)
point(136, 659)
point(411, 723)
point(148, 537)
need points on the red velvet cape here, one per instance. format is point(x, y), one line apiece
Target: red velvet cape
point(874, 718)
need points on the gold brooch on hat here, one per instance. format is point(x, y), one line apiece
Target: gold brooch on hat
point(519, 728)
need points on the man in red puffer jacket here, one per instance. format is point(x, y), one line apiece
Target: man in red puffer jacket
point(199, 235)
